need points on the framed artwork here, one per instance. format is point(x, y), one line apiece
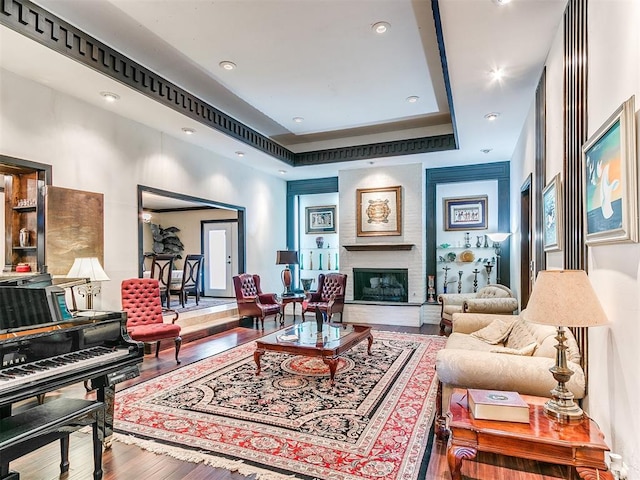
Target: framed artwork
point(610, 180)
point(321, 219)
point(379, 211)
point(467, 213)
point(552, 212)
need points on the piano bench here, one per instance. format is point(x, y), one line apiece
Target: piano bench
point(29, 430)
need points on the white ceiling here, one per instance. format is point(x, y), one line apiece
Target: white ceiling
point(316, 59)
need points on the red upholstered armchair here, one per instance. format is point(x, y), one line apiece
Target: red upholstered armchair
point(145, 323)
point(251, 301)
point(329, 297)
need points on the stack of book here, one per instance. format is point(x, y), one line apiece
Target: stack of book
point(497, 405)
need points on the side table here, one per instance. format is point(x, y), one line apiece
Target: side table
point(580, 445)
point(295, 299)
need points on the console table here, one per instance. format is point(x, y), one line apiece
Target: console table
point(580, 445)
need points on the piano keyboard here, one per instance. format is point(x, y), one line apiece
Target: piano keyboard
point(52, 366)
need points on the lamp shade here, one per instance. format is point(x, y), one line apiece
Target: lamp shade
point(498, 236)
point(286, 257)
point(564, 298)
point(88, 267)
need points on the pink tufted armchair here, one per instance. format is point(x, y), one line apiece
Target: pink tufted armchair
point(493, 298)
point(251, 301)
point(329, 297)
point(145, 322)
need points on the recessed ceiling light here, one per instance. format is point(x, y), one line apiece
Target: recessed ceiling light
point(497, 73)
point(110, 97)
point(227, 65)
point(240, 154)
point(492, 116)
point(282, 172)
point(188, 131)
point(413, 99)
point(501, 2)
point(486, 150)
point(298, 119)
point(381, 27)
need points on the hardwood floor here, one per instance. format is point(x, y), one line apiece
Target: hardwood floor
point(125, 462)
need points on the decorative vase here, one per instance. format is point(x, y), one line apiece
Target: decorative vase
point(329, 261)
point(336, 265)
point(320, 262)
point(24, 237)
point(431, 291)
point(301, 262)
point(306, 284)
point(310, 260)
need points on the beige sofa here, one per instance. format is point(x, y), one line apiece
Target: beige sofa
point(468, 362)
point(493, 298)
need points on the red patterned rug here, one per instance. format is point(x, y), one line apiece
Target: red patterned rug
point(289, 422)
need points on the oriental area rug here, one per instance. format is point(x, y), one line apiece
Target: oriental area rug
point(289, 422)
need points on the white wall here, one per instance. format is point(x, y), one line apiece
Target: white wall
point(614, 270)
point(95, 150)
point(614, 389)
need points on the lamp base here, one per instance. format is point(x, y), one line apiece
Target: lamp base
point(561, 408)
point(563, 412)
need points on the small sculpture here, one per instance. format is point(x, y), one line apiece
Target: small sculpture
point(460, 272)
point(467, 240)
point(479, 241)
point(446, 271)
point(475, 280)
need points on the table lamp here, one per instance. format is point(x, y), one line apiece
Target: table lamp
point(286, 258)
point(497, 239)
point(563, 298)
point(88, 267)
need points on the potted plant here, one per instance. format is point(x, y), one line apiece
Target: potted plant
point(166, 240)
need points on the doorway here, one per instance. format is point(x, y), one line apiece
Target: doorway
point(527, 265)
point(194, 214)
point(220, 248)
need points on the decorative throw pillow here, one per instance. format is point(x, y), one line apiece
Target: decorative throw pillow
point(494, 333)
point(519, 336)
point(525, 351)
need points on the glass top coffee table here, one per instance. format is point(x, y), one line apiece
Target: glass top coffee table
point(303, 339)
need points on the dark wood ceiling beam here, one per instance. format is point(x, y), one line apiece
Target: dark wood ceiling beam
point(45, 28)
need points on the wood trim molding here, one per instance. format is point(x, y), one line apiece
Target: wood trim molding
point(576, 68)
point(499, 171)
point(45, 28)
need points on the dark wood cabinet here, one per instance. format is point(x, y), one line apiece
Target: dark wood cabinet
point(24, 219)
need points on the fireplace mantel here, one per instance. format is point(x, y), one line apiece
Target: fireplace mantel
point(372, 247)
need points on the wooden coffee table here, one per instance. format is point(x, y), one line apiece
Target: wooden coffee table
point(335, 340)
point(581, 446)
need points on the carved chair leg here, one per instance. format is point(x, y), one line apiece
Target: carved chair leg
point(178, 342)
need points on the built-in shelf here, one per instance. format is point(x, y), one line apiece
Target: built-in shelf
point(373, 247)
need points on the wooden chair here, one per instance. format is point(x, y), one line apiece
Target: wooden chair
point(329, 297)
point(162, 270)
point(190, 282)
point(145, 322)
point(251, 301)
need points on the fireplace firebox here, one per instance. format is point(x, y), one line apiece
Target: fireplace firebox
point(381, 284)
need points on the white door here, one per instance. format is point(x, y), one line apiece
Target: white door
point(220, 240)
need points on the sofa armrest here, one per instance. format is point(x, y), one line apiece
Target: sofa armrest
point(472, 322)
point(454, 298)
point(490, 305)
point(500, 371)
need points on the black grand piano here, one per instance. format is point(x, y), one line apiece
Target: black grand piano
point(44, 346)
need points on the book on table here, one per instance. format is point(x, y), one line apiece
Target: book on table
point(497, 405)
